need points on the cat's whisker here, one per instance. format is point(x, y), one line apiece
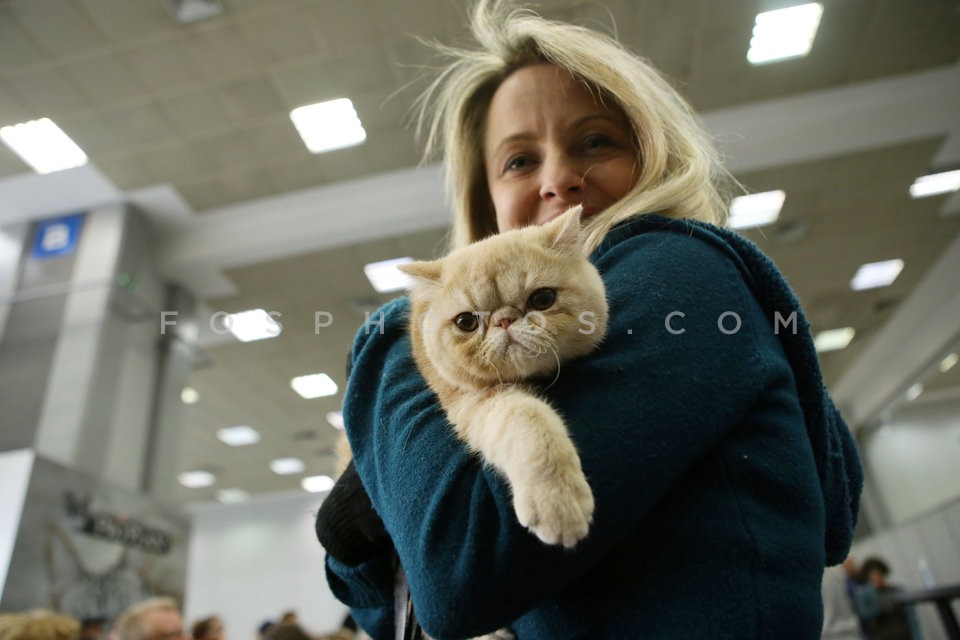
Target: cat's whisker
point(493, 366)
point(557, 376)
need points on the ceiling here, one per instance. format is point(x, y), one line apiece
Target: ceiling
point(191, 122)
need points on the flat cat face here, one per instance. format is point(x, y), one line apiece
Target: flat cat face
point(511, 307)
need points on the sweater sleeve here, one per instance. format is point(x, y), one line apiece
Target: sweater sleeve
point(678, 369)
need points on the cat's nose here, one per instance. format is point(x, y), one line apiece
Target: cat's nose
point(505, 323)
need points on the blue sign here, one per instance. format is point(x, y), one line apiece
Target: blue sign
point(57, 237)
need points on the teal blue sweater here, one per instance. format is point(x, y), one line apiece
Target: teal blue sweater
point(724, 477)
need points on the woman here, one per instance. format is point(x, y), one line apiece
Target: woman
point(723, 476)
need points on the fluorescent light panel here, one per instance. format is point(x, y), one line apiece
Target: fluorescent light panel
point(784, 33)
point(947, 363)
point(43, 145)
point(238, 436)
point(335, 418)
point(385, 277)
point(232, 496)
point(196, 479)
point(287, 466)
point(317, 484)
point(914, 392)
point(834, 339)
point(876, 274)
point(325, 126)
point(935, 184)
point(315, 385)
point(189, 395)
point(255, 324)
point(756, 209)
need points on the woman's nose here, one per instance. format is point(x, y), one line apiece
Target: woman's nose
point(560, 179)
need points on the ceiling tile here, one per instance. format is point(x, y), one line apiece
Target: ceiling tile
point(307, 82)
point(59, 28)
point(194, 112)
point(228, 149)
point(250, 98)
point(364, 70)
point(96, 134)
point(12, 108)
point(17, 48)
point(340, 24)
point(124, 21)
point(219, 50)
point(201, 194)
point(276, 138)
point(164, 65)
point(141, 123)
point(173, 161)
point(104, 79)
point(248, 184)
point(48, 92)
point(281, 36)
point(11, 164)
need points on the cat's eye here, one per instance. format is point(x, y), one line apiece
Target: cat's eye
point(542, 299)
point(466, 321)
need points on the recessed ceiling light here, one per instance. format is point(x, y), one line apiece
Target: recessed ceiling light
point(255, 324)
point(325, 126)
point(834, 339)
point(317, 484)
point(947, 363)
point(189, 395)
point(287, 466)
point(335, 418)
point(935, 184)
point(196, 479)
point(232, 496)
point(315, 385)
point(43, 145)
point(784, 33)
point(238, 436)
point(385, 277)
point(756, 209)
point(876, 274)
point(914, 392)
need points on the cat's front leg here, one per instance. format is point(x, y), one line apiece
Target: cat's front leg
point(524, 438)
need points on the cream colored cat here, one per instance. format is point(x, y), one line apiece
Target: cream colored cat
point(488, 318)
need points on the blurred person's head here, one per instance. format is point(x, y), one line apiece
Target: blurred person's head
point(287, 631)
point(39, 624)
point(210, 628)
point(850, 567)
point(289, 617)
point(153, 619)
point(874, 571)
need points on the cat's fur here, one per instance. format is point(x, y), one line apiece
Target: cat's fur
point(482, 376)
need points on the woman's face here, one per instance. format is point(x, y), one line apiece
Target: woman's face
point(550, 144)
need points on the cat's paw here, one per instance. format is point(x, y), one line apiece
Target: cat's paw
point(558, 511)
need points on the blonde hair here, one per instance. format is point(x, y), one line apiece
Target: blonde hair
point(38, 625)
point(680, 170)
point(129, 624)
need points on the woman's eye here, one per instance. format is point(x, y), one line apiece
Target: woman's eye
point(597, 141)
point(466, 321)
point(517, 162)
point(542, 299)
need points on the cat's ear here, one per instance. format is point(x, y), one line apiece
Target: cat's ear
point(564, 232)
point(427, 272)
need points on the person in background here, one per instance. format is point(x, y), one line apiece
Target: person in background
point(840, 619)
point(883, 620)
point(152, 619)
point(93, 628)
point(38, 624)
point(210, 628)
point(723, 475)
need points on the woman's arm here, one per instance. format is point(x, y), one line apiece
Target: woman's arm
point(641, 410)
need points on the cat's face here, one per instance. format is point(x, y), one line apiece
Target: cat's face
point(511, 307)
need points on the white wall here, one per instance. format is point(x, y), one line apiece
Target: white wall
point(252, 561)
point(912, 461)
point(15, 469)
